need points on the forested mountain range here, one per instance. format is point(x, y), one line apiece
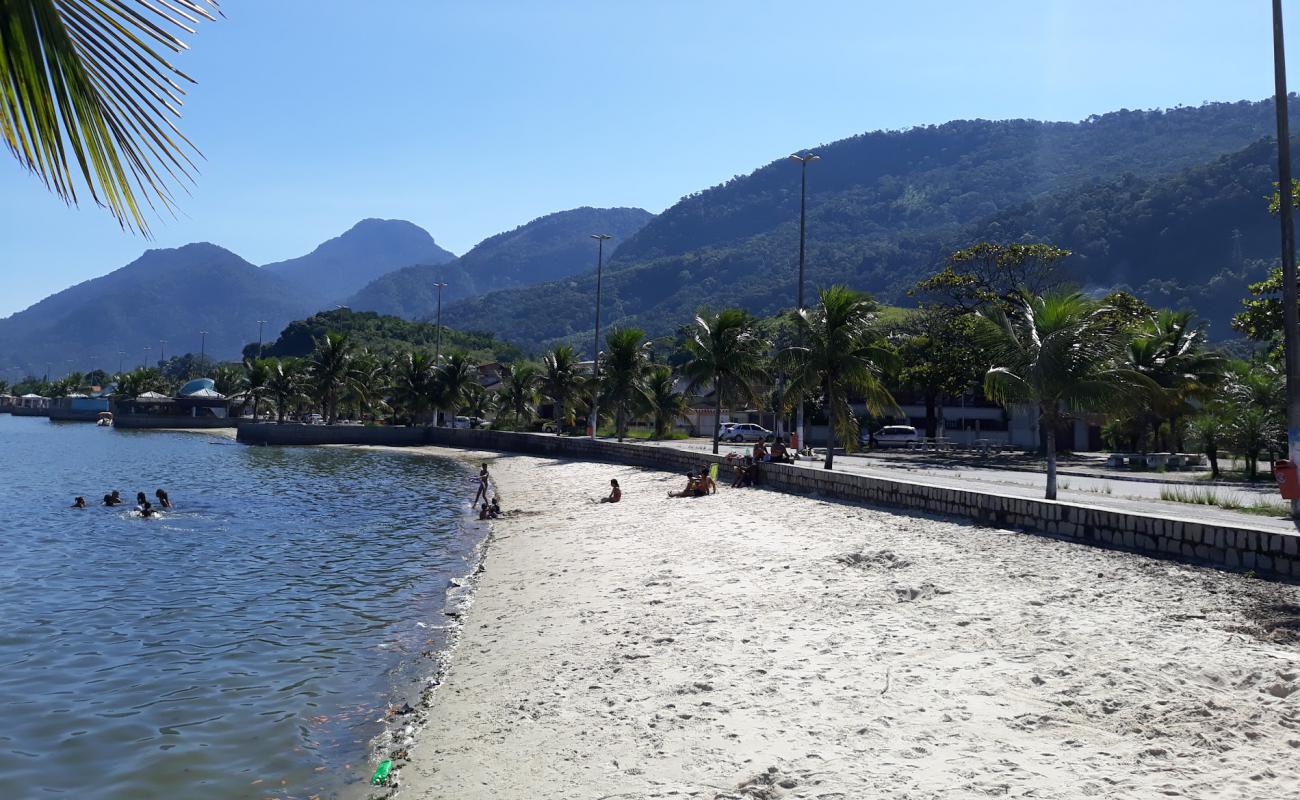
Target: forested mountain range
point(165, 294)
point(382, 335)
point(548, 248)
point(371, 248)
point(886, 207)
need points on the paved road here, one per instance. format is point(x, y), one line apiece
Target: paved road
point(1102, 492)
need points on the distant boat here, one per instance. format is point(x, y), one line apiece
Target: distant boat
point(105, 419)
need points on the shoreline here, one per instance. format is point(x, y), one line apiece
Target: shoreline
point(752, 645)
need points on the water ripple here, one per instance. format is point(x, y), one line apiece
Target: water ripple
point(254, 633)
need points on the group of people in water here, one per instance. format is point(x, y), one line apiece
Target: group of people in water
point(142, 503)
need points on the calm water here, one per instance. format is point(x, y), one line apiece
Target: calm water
point(245, 644)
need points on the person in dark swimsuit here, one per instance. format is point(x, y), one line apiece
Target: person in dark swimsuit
point(113, 499)
point(79, 502)
point(615, 493)
point(163, 500)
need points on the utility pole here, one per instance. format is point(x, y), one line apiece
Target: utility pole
point(595, 358)
point(260, 323)
point(162, 352)
point(203, 347)
point(803, 218)
point(1290, 318)
point(121, 354)
point(437, 353)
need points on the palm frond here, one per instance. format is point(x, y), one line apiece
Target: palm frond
point(87, 96)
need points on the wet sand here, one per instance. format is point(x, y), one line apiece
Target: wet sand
point(760, 645)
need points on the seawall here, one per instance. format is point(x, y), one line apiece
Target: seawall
point(1237, 547)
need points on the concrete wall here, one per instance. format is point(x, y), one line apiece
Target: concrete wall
point(1233, 547)
point(150, 421)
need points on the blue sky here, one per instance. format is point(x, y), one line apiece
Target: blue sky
point(470, 118)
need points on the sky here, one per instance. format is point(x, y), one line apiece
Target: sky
point(470, 118)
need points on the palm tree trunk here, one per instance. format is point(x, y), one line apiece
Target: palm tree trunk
point(830, 428)
point(1213, 455)
point(717, 415)
point(1051, 456)
point(618, 423)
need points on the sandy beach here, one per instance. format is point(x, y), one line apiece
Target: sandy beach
point(759, 645)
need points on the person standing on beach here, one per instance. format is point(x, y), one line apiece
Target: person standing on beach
point(482, 493)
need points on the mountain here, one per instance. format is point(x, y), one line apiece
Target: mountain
point(548, 248)
point(367, 250)
point(884, 209)
point(167, 294)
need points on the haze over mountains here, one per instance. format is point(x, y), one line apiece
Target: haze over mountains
point(548, 248)
point(885, 208)
point(1170, 204)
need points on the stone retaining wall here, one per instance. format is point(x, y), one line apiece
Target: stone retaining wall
point(1267, 553)
point(149, 421)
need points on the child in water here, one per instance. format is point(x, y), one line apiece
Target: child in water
point(163, 500)
point(79, 502)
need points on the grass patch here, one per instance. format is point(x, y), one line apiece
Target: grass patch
point(643, 433)
point(1207, 496)
point(1198, 495)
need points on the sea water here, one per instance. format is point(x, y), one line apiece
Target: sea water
point(246, 644)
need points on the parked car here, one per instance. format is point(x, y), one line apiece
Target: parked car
point(461, 422)
point(725, 428)
point(746, 432)
point(314, 419)
point(892, 436)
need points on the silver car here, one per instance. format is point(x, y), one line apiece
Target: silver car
point(746, 432)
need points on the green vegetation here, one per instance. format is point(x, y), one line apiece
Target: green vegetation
point(382, 335)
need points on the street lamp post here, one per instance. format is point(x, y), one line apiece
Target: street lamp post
point(1290, 315)
point(147, 348)
point(121, 355)
point(803, 217)
point(260, 323)
point(437, 350)
point(595, 358)
point(203, 347)
point(162, 352)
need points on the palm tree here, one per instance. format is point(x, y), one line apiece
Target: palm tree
point(228, 379)
point(519, 397)
point(452, 382)
point(623, 368)
point(479, 402)
point(1171, 350)
point(561, 383)
point(329, 365)
point(726, 354)
point(140, 381)
point(1060, 353)
point(412, 385)
point(284, 385)
point(662, 400)
point(366, 383)
point(842, 356)
point(256, 374)
point(85, 83)
point(1209, 431)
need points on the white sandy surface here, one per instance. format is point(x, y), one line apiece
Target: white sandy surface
point(760, 645)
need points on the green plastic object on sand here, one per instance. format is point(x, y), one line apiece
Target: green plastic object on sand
point(713, 472)
point(381, 774)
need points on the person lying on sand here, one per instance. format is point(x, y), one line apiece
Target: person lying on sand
point(79, 502)
point(615, 493)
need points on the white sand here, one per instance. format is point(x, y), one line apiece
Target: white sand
point(761, 645)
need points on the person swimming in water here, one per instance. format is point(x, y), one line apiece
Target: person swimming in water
point(140, 500)
point(147, 509)
point(163, 500)
point(615, 493)
point(79, 502)
point(114, 498)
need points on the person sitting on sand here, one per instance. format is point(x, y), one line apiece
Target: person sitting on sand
point(163, 500)
point(494, 510)
point(706, 482)
point(691, 487)
point(79, 502)
point(113, 499)
point(483, 511)
point(615, 493)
